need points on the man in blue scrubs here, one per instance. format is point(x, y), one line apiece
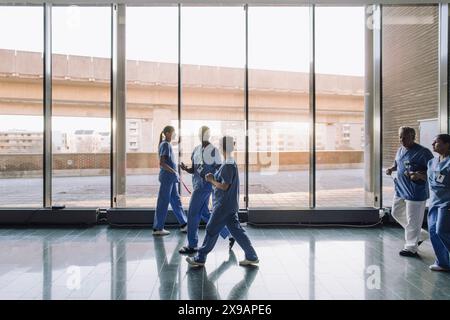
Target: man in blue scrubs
point(205, 159)
point(411, 193)
point(225, 209)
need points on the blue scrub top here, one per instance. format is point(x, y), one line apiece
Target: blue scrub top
point(165, 149)
point(439, 181)
point(414, 159)
point(227, 202)
point(205, 160)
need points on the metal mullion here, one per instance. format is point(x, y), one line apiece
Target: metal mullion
point(372, 111)
point(179, 96)
point(377, 108)
point(118, 91)
point(246, 106)
point(312, 112)
point(47, 148)
point(443, 68)
point(111, 110)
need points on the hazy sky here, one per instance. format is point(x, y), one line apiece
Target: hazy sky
point(64, 124)
point(278, 40)
point(278, 37)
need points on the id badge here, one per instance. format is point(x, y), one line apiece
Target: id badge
point(200, 169)
point(439, 177)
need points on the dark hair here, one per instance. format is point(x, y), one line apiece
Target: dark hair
point(166, 129)
point(445, 138)
point(408, 131)
point(227, 143)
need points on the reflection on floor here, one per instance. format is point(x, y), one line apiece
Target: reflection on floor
point(296, 263)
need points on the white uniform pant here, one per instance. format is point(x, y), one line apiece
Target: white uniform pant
point(409, 214)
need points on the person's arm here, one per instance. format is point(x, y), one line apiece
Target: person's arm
point(222, 186)
point(418, 175)
point(226, 174)
point(163, 164)
point(187, 169)
point(392, 169)
point(422, 174)
point(164, 153)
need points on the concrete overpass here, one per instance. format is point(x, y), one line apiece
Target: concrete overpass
point(81, 88)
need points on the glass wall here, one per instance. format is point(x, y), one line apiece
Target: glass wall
point(21, 106)
point(212, 80)
point(340, 107)
point(152, 96)
point(410, 55)
point(278, 60)
point(212, 57)
point(81, 42)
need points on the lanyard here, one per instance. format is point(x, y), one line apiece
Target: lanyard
point(185, 186)
point(202, 150)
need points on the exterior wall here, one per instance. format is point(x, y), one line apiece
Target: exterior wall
point(13, 165)
point(410, 71)
point(20, 142)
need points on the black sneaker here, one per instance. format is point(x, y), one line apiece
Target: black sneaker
point(187, 250)
point(231, 244)
point(407, 253)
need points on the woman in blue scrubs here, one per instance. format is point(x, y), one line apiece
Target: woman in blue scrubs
point(439, 214)
point(168, 191)
point(225, 209)
point(205, 159)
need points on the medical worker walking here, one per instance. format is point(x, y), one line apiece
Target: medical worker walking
point(205, 159)
point(225, 209)
point(411, 193)
point(438, 213)
point(168, 191)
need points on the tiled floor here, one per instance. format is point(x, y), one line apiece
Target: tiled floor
point(296, 263)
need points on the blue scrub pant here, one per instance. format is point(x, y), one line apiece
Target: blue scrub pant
point(439, 228)
point(198, 210)
point(216, 223)
point(168, 193)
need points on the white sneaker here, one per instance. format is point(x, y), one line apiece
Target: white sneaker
point(435, 267)
point(162, 232)
point(246, 262)
point(184, 229)
point(194, 263)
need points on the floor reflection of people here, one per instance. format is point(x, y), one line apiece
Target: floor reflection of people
point(240, 290)
point(167, 269)
point(118, 270)
point(202, 286)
